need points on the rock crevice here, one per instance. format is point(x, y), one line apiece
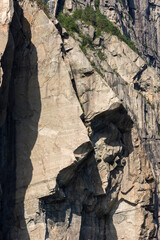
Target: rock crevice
point(79, 146)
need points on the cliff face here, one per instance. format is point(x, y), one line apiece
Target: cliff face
point(6, 12)
point(139, 20)
point(79, 147)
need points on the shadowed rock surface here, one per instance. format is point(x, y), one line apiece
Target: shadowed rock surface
point(79, 145)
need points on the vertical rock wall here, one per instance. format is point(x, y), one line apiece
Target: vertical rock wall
point(140, 20)
point(6, 13)
point(78, 150)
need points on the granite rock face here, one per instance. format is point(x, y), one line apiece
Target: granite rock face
point(79, 147)
point(138, 20)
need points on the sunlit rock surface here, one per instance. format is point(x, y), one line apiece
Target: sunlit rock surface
point(79, 148)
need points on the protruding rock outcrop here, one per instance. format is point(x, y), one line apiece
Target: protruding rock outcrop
point(79, 147)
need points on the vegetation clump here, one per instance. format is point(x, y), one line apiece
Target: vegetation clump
point(94, 18)
point(68, 22)
point(87, 42)
point(101, 24)
point(43, 6)
point(101, 55)
point(96, 3)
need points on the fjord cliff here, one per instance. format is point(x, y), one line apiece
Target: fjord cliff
point(79, 117)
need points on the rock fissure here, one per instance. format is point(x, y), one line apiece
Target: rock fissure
point(67, 178)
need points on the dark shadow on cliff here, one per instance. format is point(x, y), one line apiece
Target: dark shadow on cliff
point(82, 205)
point(60, 6)
point(73, 207)
point(20, 130)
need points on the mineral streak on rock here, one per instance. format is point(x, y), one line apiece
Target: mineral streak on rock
point(79, 145)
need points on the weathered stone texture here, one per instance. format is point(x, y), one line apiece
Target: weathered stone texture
point(139, 20)
point(81, 147)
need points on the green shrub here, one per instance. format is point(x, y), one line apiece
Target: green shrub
point(97, 33)
point(78, 14)
point(68, 22)
point(96, 3)
point(87, 41)
point(42, 5)
point(94, 18)
point(105, 25)
point(101, 55)
point(89, 16)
